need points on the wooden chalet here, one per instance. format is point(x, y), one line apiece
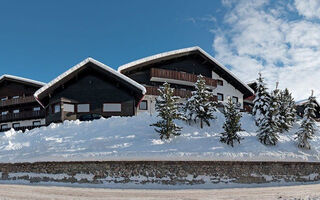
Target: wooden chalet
point(180, 68)
point(89, 88)
point(18, 108)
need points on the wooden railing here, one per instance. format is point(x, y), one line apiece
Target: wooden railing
point(181, 76)
point(151, 90)
point(20, 100)
point(21, 128)
point(22, 116)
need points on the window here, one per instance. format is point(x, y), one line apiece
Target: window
point(220, 82)
point(16, 111)
point(36, 109)
point(15, 125)
point(68, 107)
point(143, 105)
point(16, 97)
point(4, 126)
point(36, 123)
point(56, 108)
point(235, 99)
point(4, 98)
point(83, 107)
point(4, 112)
point(220, 97)
point(111, 107)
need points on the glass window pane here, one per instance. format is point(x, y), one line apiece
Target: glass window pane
point(112, 107)
point(68, 107)
point(83, 107)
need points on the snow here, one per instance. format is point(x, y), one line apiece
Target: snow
point(21, 79)
point(181, 51)
point(82, 64)
point(131, 138)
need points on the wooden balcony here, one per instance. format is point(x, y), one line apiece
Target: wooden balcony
point(22, 116)
point(179, 77)
point(177, 92)
point(20, 100)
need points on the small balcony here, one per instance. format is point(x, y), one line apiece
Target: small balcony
point(24, 115)
point(177, 92)
point(176, 77)
point(20, 100)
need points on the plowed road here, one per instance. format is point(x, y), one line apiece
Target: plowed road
point(9, 192)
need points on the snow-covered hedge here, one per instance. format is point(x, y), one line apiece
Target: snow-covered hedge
point(131, 138)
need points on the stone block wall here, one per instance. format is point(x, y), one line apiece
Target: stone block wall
point(160, 173)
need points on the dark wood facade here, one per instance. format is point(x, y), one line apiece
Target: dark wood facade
point(93, 87)
point(18, 104)
point(184, 69)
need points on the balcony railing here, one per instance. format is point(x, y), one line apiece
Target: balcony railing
point(21, 128)
point(180, 76)
point(177, 92)
point(22, 116)
point(20, 100)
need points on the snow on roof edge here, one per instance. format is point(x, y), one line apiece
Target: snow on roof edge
point(22, 79)
point(80, 65)
point(180, 51)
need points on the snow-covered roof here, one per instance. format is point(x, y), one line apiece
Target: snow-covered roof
point(80, 66)
point(174, 53)
point(303, 101)
point(20, 79)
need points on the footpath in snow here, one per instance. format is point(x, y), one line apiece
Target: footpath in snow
point(131, 138)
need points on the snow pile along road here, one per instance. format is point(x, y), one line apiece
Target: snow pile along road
point(131, 138)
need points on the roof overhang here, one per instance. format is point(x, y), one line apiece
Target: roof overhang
point(61, 79)
point(21, 80)
point(179, 53)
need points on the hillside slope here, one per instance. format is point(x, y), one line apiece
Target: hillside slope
point(131, 138)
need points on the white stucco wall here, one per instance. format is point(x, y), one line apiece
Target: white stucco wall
point(24, 122)
point(227, 90)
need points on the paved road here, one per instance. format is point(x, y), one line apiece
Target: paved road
point(14, 192)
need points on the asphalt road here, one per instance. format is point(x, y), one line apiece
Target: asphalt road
point(26, 192)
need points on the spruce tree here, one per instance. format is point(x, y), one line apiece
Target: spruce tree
point(307, 128)
point(261, 101)
point(200, 106)
point(167, 108)
point(287, 111)
point(269, 127)
point(232, 124)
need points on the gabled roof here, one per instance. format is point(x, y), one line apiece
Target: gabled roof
point(178, 53)
point(21, 80)
point(304, 101)
point(52, 84)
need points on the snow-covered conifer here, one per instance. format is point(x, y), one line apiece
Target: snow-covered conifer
point(261, 101)
point(287, 110)
point(307, 128)
point(200, 106)
point(167, 108)
point(232, 124)
point(269, 126)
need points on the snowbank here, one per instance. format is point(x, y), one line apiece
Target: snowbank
point(131, 138)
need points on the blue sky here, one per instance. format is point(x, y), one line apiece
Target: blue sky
point(281, 39)
point(41, 39)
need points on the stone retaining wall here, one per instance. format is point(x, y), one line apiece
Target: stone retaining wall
point(160, 173)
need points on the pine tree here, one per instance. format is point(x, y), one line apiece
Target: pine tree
point(287, 111)
point(269, 127)
point(200, 106)
point(307, 128)
point(261, 101)
point(167, 108)
point(232, 124)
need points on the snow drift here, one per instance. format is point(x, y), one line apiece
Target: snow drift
point(131, 138)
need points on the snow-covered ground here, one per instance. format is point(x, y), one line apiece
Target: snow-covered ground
point(131, 138)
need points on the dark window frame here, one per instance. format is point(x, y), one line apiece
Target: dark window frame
point(220, 82)
point(13, 125)
point(237, 98)
point(146, 101)
point(112, 111)
point(221, 96)
point(2, 125)
point(33, 123)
